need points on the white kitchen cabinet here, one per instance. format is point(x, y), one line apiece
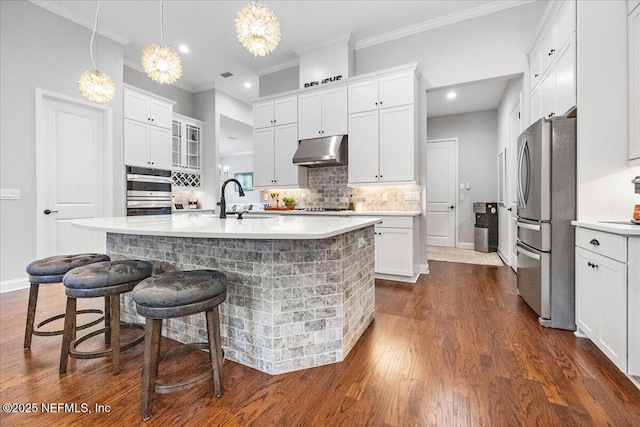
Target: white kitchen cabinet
point(534, 66)
point(146, 145)
point(547, 94)
point(386, 92)
point(397, 248)
point(186, 143)
point(633, 306)
point(273, 149)
point(382, 146)
point(634, 82)
point(564, 72)
point(547, 47)
point(278, 112)
point(536, 104)
point(147, 109)
point(322, 113)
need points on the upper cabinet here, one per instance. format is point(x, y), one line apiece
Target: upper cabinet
point(634, 80)
point(322, 113)
point(552, 63)
point(279, 112)
point(385, 92)
point(147, 130)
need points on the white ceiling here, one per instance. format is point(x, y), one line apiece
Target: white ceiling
point(242, 132)
point(208, 28)
point(477, 96)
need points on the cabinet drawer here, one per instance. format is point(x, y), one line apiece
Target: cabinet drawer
point(396, 222)
point(606, 244)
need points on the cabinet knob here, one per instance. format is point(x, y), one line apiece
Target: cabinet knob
point(536, 75)
point(319, 131)
point(380, 102)
point(376, 176)
point(595, 242)
point(551, 52)
point(376, 103)
point(551, 115)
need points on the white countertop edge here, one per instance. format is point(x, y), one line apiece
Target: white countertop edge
point(94, 225)
point(340, 213)
point(622, 229)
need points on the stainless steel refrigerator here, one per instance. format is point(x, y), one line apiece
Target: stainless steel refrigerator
point(546, 191)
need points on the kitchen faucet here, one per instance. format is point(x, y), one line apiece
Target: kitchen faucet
point(222, 203)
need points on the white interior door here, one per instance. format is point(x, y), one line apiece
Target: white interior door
point(74, 178)
point(514, 131)
point(442, 167)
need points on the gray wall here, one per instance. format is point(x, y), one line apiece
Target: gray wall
point(477, 135)
point(39, 49)
point(185, 101)
point(280, 81)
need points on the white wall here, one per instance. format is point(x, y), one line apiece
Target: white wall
point(509, 100)
point(238, 164)
point(279, 81)
point(185, 101)
point(39, 49)
point(604, 190)
point(477, 162)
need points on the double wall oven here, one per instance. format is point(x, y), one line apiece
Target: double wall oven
point(148, 191)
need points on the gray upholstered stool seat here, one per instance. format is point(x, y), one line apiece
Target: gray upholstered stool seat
point(51, 270)
point(177, 294)
point(106, 279)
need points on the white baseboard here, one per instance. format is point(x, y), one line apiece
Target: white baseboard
point(466, 245)
point(406, 279)
point(503, 256)
point(14, 285)
point(424, 268)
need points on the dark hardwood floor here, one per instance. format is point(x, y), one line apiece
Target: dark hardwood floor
point(457, 348)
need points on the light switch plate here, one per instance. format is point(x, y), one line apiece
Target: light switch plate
point(384, 197)
point(9, 194)
point(461, 196)
point(468, 186)
point(462, 185)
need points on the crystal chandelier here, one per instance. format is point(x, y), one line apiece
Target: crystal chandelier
point(161, 63)
point(94, 85)
point(258, 29)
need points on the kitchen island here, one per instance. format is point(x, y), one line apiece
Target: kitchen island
point(300, 292)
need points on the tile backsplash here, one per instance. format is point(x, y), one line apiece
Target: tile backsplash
point(328, 189)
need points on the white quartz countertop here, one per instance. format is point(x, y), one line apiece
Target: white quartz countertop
point(211, 226)
point(339, 213)
point(615, 227)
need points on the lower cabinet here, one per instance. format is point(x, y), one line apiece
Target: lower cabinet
point(397, 250)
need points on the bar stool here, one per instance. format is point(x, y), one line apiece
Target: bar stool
point(51, 270)
point(104, 279)
point(178, 294)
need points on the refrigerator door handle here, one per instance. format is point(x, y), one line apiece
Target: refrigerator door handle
point(527, 253)
point(519, 188)
point(527, 155)
point(529, 226)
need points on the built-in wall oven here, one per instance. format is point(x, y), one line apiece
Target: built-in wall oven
point(148, 191)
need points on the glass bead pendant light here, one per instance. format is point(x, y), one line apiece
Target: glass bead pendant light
point(161, 63)
point(258, 29)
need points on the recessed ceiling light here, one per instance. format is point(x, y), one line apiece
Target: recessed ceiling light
point(184, 48)
point(451, 95)
point(247, 85)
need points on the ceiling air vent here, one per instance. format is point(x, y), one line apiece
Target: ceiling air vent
point(227, 74)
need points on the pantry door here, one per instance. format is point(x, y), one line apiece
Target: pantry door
point(442, 175)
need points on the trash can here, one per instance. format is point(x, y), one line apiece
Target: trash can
point(485, 234)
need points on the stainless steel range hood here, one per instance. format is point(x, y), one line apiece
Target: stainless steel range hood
point(320, 152)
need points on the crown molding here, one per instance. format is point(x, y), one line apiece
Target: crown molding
point(80, 20)
point(202, 88)
point(453, 18)
point(277, 67)
point(179, 83)
point(347, 38)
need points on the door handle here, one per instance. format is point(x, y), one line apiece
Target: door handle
point(509, 209)
point(594, 242)
point(528, 254)
point(452, 207)
point(49, 211)
point(528, 226)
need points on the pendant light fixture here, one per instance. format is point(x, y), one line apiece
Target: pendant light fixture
point(258, 29)
point(161, 63)
point(94, 85)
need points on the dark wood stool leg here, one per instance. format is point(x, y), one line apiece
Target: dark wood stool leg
point(115, 333)
point(150, 369)
point(107, 320)
point(31, 314)
point(69, 333)
point(215, 349)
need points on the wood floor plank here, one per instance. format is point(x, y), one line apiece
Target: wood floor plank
point(459, 347)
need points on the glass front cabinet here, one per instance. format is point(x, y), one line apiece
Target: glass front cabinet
point(186, 152)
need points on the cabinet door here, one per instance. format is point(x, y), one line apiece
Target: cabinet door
point(534, 66)
point(135, 143)
point(363, 96)
point(397, 89)
point(363, 147)
point(565, 77)
point(263, 115)
point(397, 144)
point(159, 147)
point(310, 116)
point(285, 111)
point(377, 242)
point(334, 111)
point(565, 21)
point(285, 146)
point(161, 113)
point(395, 251)
point(547, 94)
point(633, 305)
point(263, 157)
point(547, 48)
point(634, 83)
point(136, 106)
point(536, 104)
point(587, 295)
